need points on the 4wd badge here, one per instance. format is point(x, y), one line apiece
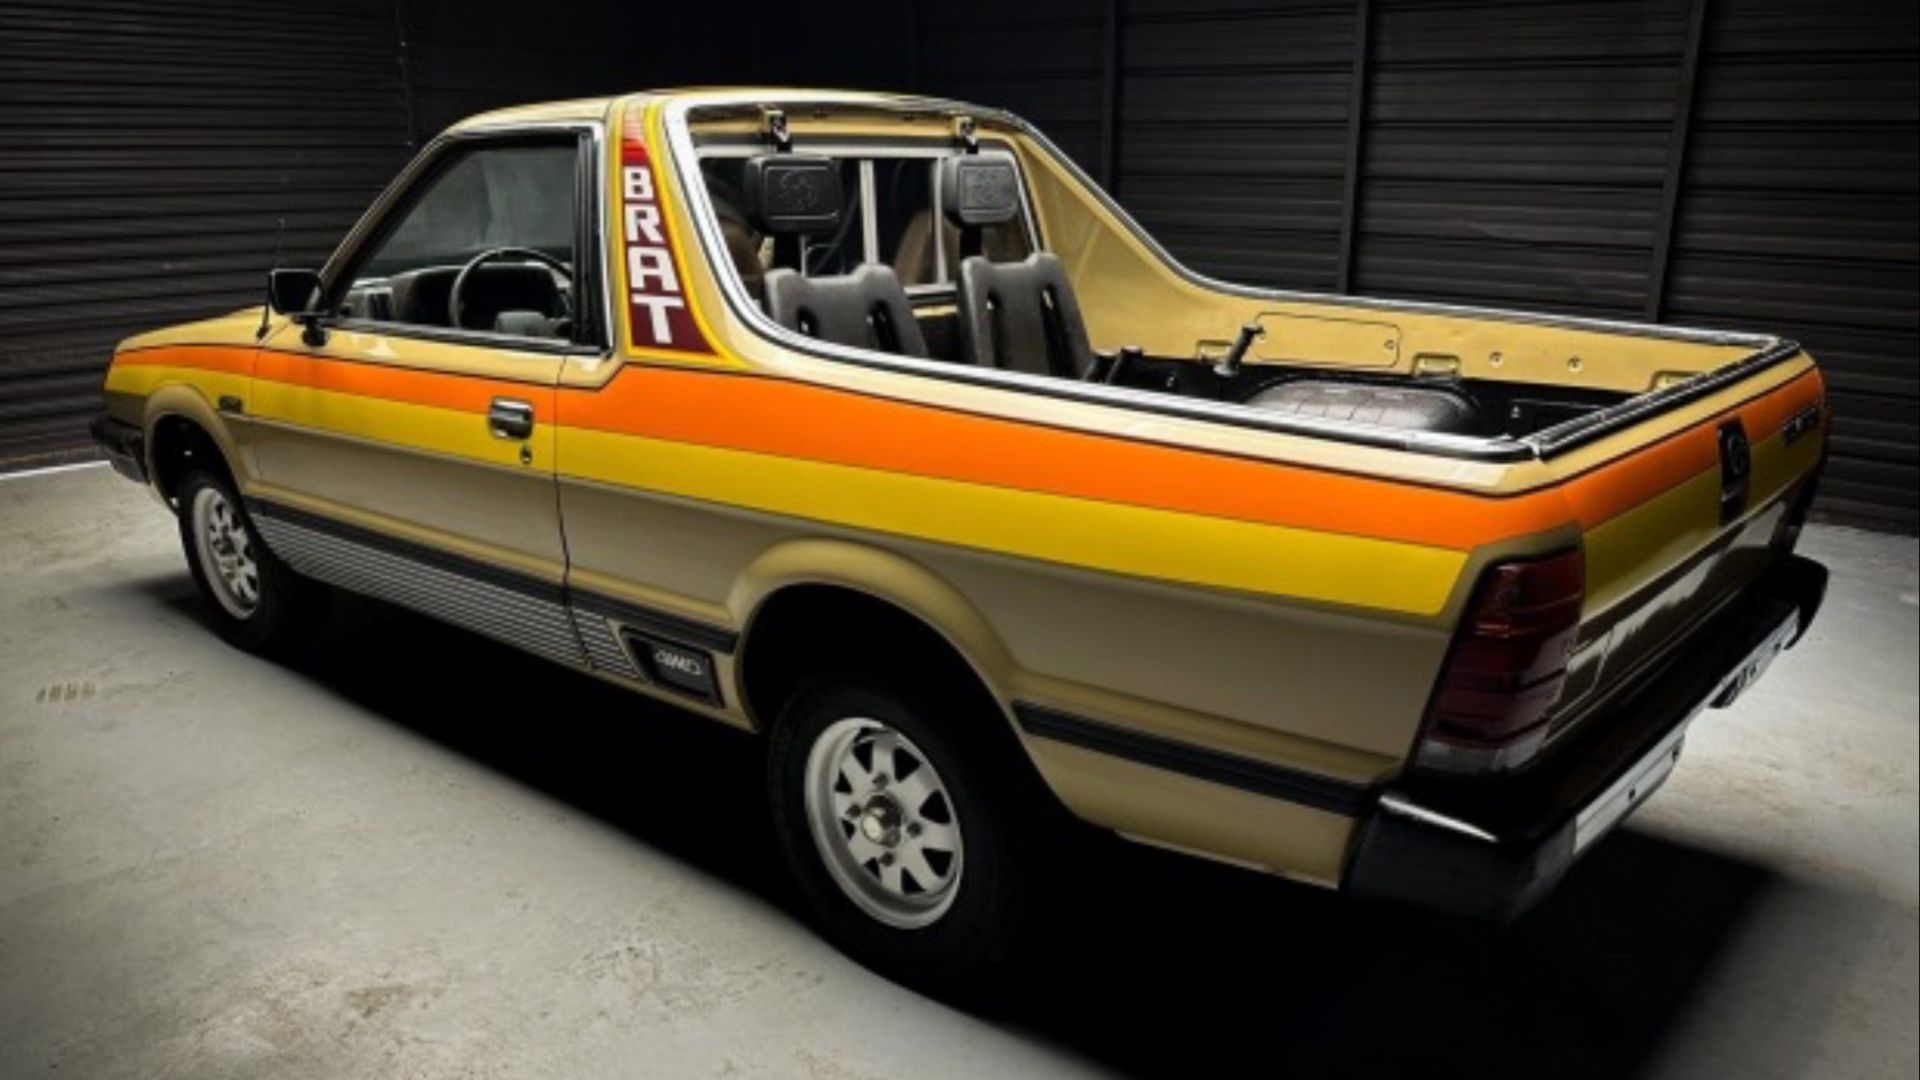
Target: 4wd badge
point(674, 667)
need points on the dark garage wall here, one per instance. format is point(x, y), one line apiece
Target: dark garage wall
point(1743, 163)
point(1233, 134)
point(148, 152)
point(1524, 166)
point(464, 58)
point(1799, 213)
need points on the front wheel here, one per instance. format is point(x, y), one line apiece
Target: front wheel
point(249, 596)
point(918, 846)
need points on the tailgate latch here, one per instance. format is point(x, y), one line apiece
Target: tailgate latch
point(1736, 470)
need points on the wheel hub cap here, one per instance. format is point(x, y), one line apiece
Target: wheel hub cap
point(883, 822)
point(880, 822)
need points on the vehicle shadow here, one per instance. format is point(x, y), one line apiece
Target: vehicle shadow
point(1169, 966)
point(1193, 970)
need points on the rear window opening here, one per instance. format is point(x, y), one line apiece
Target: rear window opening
point(936, 252)
point(890, 218)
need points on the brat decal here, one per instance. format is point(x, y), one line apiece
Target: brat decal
point(657, 315)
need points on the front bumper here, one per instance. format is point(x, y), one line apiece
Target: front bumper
point(123, 444)
point(1492, 847)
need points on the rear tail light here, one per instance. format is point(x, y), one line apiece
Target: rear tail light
point(1506, 667)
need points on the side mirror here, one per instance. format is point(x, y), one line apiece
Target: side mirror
point(292, 292)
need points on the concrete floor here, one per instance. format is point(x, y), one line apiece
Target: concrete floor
point(414, 853)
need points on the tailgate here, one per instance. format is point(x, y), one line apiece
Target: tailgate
point(1489, 847)
point(1677, 515)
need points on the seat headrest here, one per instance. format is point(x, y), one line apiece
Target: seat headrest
point(976, 190)
point(793, 194)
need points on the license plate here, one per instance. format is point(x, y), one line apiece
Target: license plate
point(1755, 665)
point(1652, 769)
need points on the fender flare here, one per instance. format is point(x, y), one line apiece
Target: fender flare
point(884, 576)
point(187, 403)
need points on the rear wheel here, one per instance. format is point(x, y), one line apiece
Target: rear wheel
point(250, 598)
point(920, 849)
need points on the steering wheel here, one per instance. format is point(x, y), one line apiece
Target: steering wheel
point(460, 281)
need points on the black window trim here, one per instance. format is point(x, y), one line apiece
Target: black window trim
point(592, 301)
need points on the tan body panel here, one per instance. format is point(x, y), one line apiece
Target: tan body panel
point(1062, 636)
point(1206, 673)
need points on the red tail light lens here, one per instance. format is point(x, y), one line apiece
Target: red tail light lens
point(1507, 665)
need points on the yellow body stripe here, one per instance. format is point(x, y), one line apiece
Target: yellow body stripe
point(1076, 532)
point(1630, 550)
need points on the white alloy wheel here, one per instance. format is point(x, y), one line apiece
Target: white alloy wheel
point(883, 823)
point(225, 548)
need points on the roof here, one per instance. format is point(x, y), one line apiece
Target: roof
point(577, 109)
point(598, 107)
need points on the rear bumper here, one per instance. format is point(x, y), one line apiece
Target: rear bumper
point(1491, 848)
point(123, 444)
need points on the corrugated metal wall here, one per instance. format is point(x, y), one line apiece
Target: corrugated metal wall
point(1514, 154)
point(1748, 163)
point(1233, 134)
point(464, 58)
point(148, 152)
point(1042, 61)
point(1801, 213)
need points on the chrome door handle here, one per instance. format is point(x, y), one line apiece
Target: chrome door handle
point(510, 418)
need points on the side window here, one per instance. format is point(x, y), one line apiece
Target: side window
point(486, 242)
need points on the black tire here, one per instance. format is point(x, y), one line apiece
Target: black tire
point(285, 607)
point(1009, 823)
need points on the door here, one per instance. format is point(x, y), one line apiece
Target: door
point(404, 440)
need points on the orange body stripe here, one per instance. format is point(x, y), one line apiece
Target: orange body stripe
point(462, 393)
point(1620, 485)
point(226, 359)
point(794, 419)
